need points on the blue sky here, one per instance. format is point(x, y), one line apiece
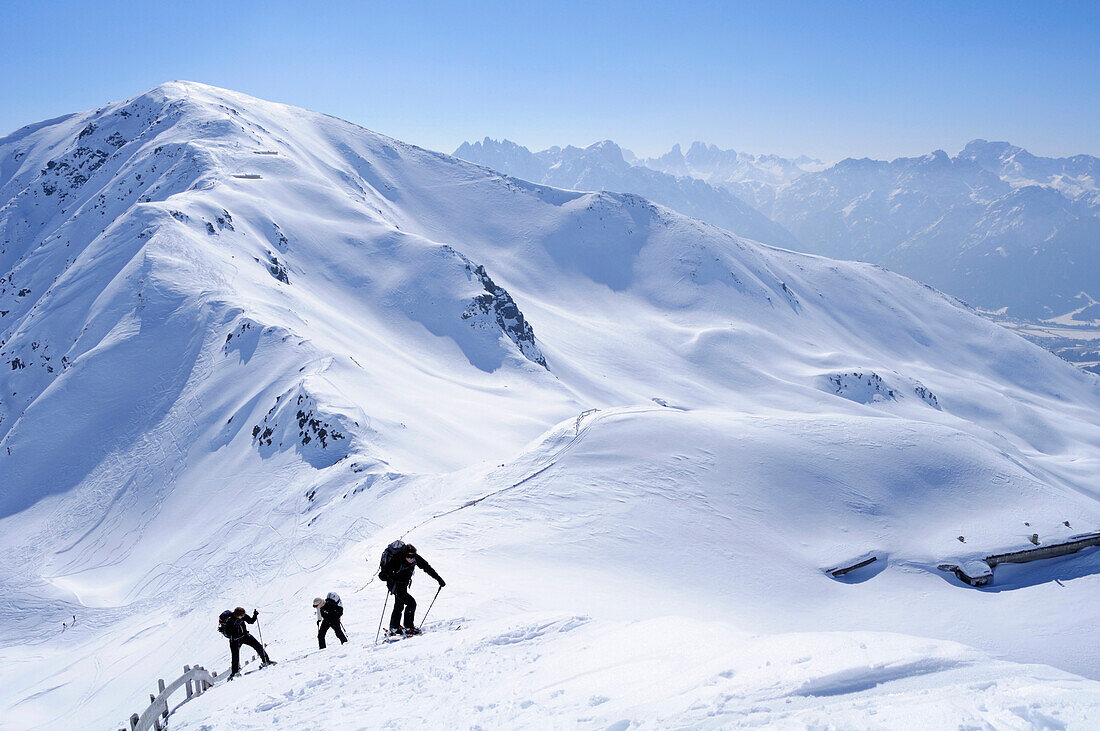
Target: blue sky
point(828, 79)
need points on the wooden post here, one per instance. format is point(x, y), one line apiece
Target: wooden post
point(134, 718)
point(190, 689)
point(156, 723)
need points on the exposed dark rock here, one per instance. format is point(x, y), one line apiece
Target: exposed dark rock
point(497, 302)
point(921, 390)
point(277, 268)
point(869, 387)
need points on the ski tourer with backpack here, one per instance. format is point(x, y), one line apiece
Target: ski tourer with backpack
point(232, 624)
point(396, 567)
point(329, 612)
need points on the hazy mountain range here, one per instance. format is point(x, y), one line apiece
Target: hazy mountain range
point(604, 166)
point(1001, 228)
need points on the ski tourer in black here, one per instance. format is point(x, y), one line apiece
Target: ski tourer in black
point(399, 578)
point(238, 635)
point(328, 617)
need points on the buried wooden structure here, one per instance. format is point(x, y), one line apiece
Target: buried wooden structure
point(979, 572)
point(841, 570)
point(196, 680)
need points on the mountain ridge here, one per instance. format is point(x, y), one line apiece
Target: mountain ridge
point(969, 224)
point(602, 166)
point(284, 340)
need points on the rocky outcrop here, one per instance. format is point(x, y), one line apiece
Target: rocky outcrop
point(866, 387)
point(497, 306)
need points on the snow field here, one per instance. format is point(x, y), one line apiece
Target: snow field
point(562, 671)
point(238, 390)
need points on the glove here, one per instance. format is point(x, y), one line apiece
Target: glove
point(255, 613)
point(442, 583)
point(318, 623)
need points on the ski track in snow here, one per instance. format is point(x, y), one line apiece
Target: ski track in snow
point(631, 442)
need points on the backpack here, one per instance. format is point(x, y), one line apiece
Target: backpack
point(223, 623)
point(392, 552)
point(334, 597)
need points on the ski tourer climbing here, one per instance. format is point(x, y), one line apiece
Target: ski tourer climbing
point(329, 611)
point(232, 625)
point(399, 561)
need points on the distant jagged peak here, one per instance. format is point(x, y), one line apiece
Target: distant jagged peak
point(1075, 176)
point(862, 163)
point(938, 157)
point(490, 144)
point(604, 152)
point(729, 167)
point(984, 148)
point(701, 148)
point(605, 145)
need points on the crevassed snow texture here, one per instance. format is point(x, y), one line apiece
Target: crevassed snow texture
point(245, 346)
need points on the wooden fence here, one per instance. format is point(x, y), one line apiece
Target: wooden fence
point(196, 679)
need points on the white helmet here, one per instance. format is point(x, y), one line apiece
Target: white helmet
point(318, 601)
point(334, 597)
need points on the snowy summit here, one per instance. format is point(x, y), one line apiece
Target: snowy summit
point(245, 346)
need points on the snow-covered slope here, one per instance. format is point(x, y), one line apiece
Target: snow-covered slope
point(247, 345)
point(604, 166)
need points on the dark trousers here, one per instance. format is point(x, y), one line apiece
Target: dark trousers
point(235, 650)
point(325, 625)
point(402, 601)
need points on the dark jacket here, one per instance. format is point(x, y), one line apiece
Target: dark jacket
point(331, 611)
point(402, 571)
point(236, 626)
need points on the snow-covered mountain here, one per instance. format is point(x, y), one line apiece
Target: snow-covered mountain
point(999, 227)
point(245, 346)
point(753, 178)
point(994, 225)
point(1076, 177)
point(605, 166)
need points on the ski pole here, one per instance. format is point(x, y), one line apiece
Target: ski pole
point(425, 617)
point(384, 605)
point(259, 631)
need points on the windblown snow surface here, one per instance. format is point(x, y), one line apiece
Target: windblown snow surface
point(245, 346)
